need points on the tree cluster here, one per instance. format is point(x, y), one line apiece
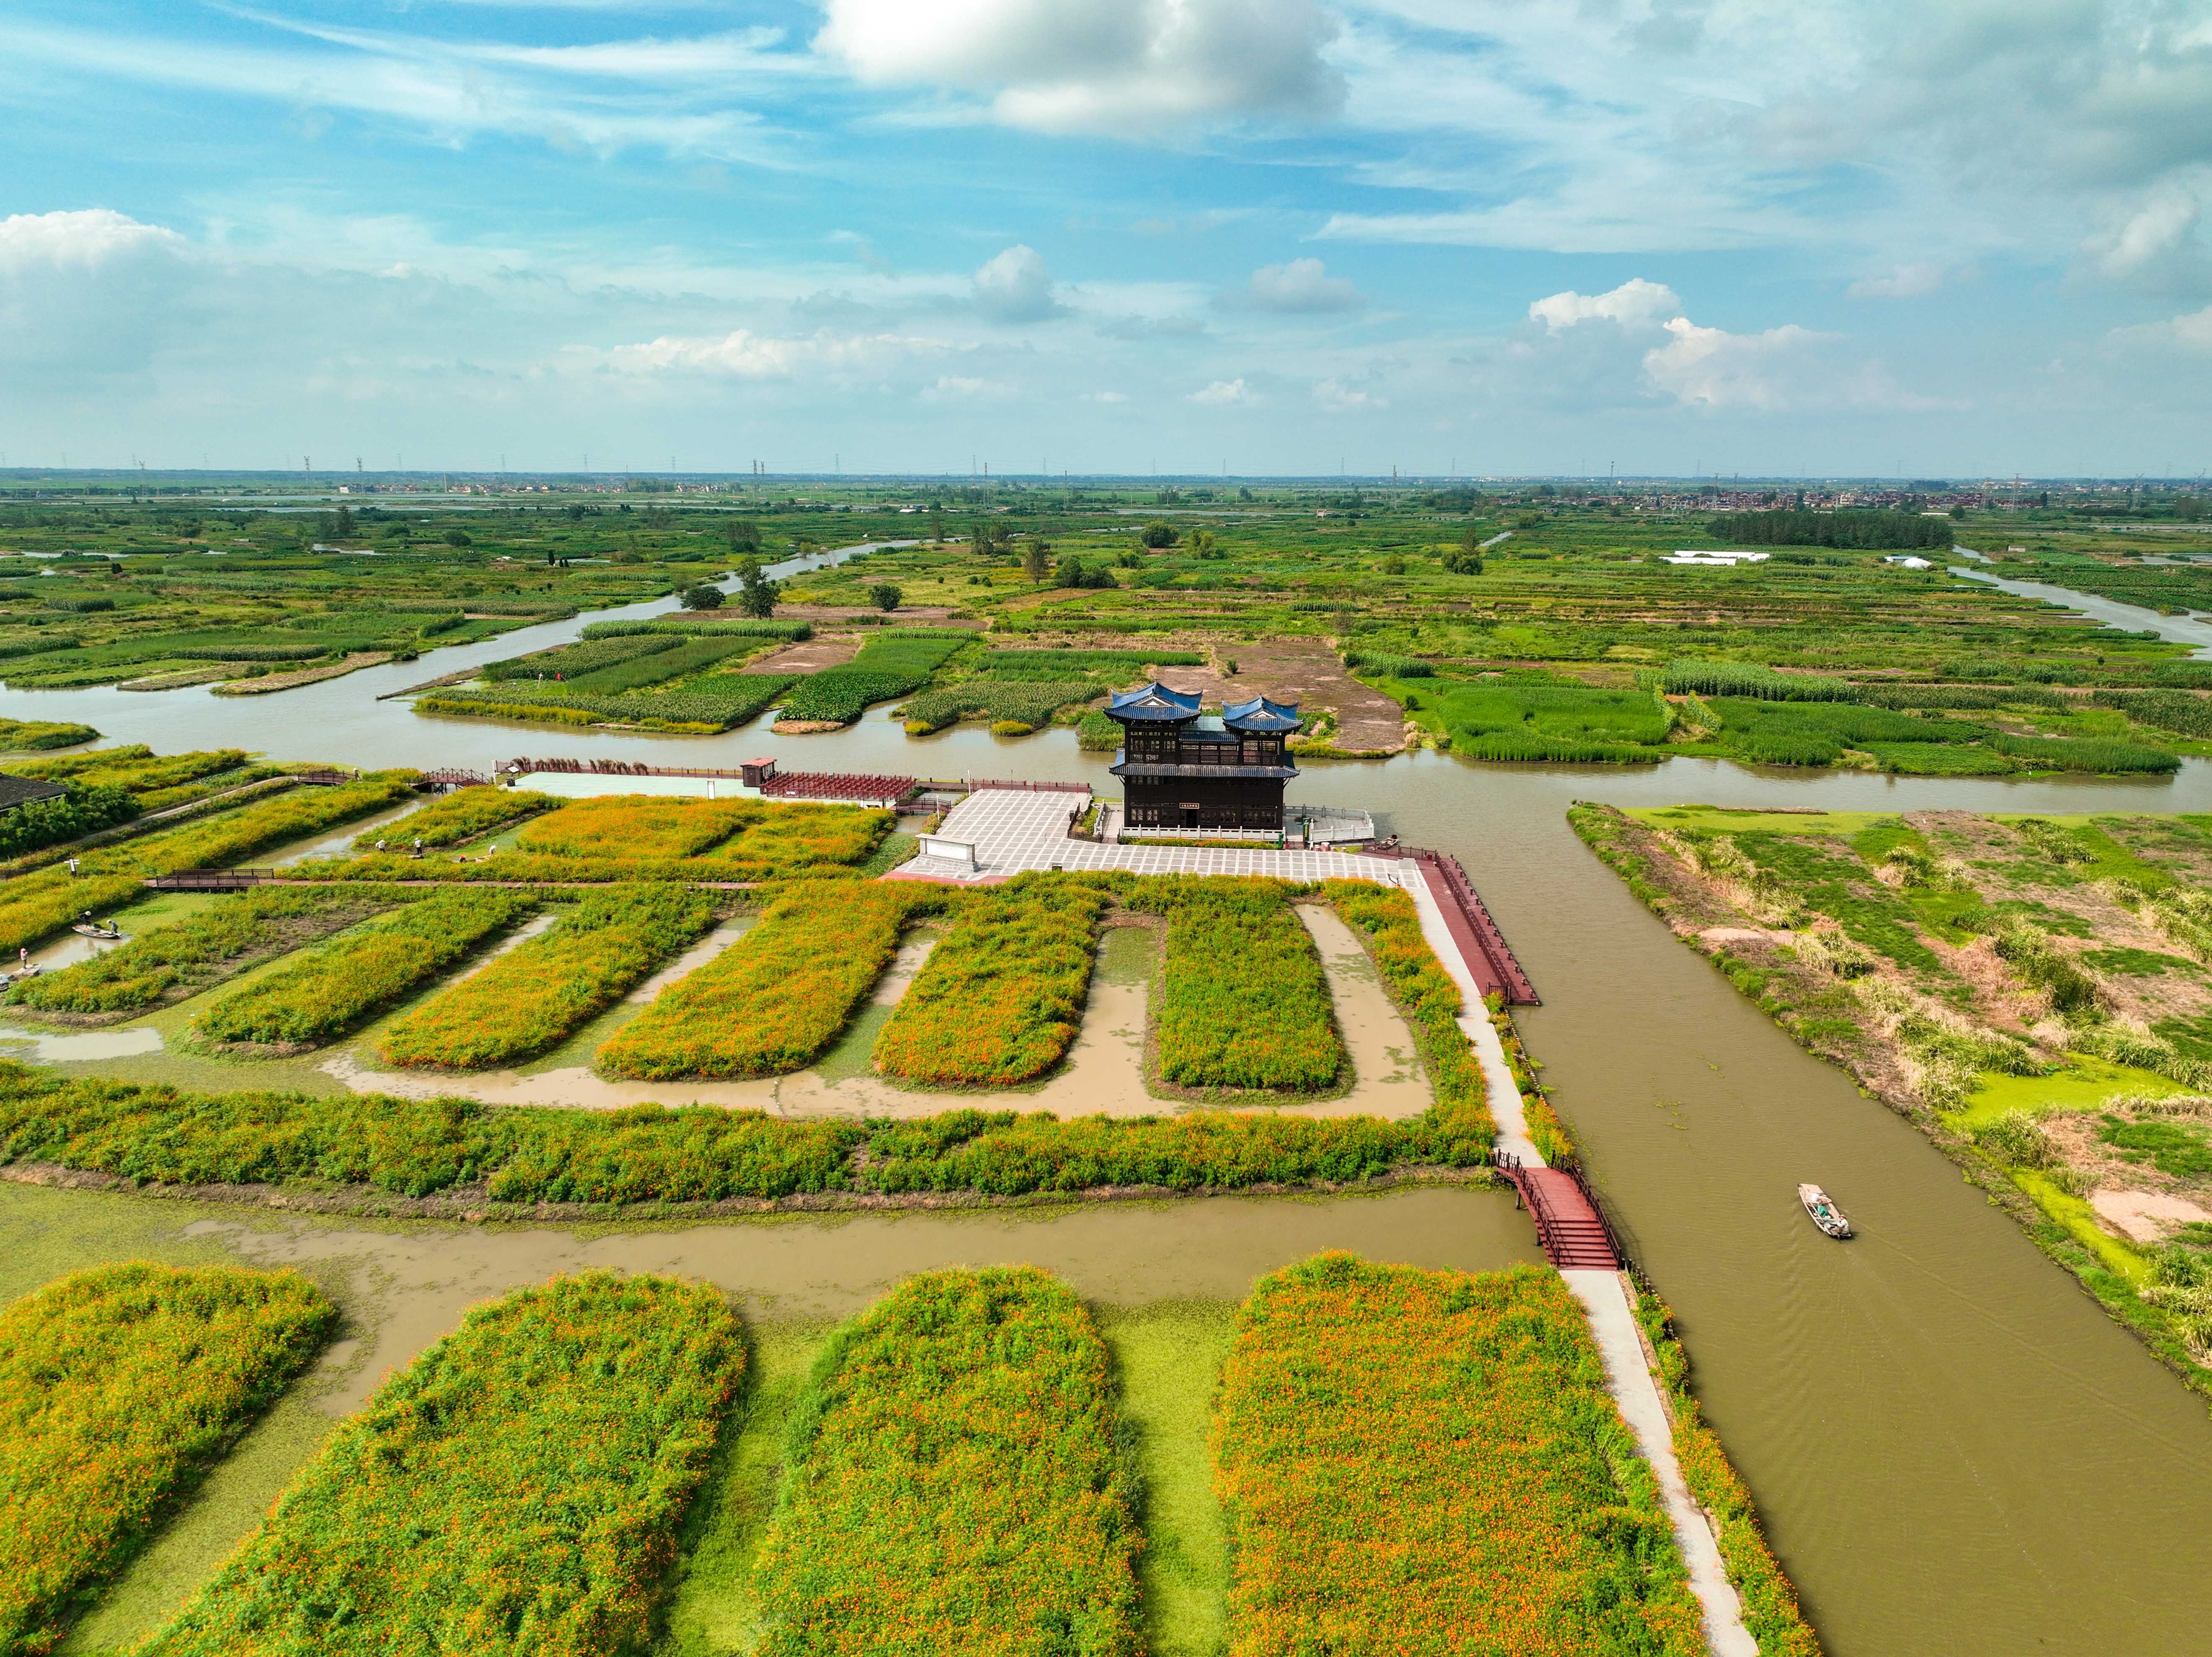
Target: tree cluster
point(1863, 529)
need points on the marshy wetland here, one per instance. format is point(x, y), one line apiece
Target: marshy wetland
point(1949, 1442)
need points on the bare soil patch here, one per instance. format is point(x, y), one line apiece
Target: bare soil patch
point(808, 655)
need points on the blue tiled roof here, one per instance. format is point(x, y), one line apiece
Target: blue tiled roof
point(1154, 701)
point(1261, 717)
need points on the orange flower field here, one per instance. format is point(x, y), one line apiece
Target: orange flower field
point(637, 826)
point(1428, 1462)
point(516, 1490)
point(118, 1388)
point(462, 815)
point(779, 996)
point(532, 996)
point(1002, 998)
point(1244, 1002)
point(318, 994)
point(953, 1483)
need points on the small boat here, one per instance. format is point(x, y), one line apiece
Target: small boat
point(83, 930)
point(1825, 1213)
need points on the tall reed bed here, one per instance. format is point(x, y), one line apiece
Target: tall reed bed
point(172, 962)
point(1387, 921)
point(1001, 999)
point(516, 1488)
point(464, 1152)
point(532, 996)
point(462, 815)
point(1242, 1003)
point(777, 998)
point(328, 990)
point(953, 1481)
point(35, 905)
point(1415, 1461)
point(118, 1388)
point(632, 826)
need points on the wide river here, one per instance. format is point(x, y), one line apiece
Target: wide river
point(1956, 1451)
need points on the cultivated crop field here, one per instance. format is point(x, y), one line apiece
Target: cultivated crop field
point(120, 1386)
point(530, 997)
point(34, 906)
point(1243, 1002)
point(640, 826)
point(517, 1487)
point(777, 998)
point(328, 990)
point(1002, 996)
point(1430, 1461)
point(2034, 993)
point(169, 963)
point(954, 1481)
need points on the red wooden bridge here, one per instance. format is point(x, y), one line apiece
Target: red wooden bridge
point(1570, 1223)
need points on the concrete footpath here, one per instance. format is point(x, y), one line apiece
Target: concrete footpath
point(1604, 1297)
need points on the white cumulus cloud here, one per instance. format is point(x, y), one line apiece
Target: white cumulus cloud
point(1225, 393)
point(1635, 304)
point(79, 240)
point(743, 355)
point(1301, 286)
point(1337, 398)
point(2193, 333)
point(1119, 68)
point(1015, 287)
point(1712, 369)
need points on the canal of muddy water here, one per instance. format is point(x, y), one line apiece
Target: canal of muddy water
point(1956, 1450)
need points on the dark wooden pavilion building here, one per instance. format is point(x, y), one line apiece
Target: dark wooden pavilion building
point(1179, 770)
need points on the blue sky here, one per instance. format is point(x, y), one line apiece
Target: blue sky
point(1276, 236)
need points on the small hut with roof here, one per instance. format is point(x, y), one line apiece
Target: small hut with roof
point(1184, 770)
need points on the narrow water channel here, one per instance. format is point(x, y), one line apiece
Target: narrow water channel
point(1956, 1451)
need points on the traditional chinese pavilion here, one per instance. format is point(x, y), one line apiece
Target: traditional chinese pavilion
point(1179, 770)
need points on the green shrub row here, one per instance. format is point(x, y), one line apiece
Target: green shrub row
point(843, 694)
point(1117, 665)
point(565, 662)
point(690, 656)
point(650, 1155)
point(2085, 754)
point(720, 703)
point(1395, 667)
point(700, 624)
point(2168, 710)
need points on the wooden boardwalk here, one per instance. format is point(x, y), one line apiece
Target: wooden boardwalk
point(1480, 943)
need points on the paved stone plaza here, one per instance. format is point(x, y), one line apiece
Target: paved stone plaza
point(1013, 830)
